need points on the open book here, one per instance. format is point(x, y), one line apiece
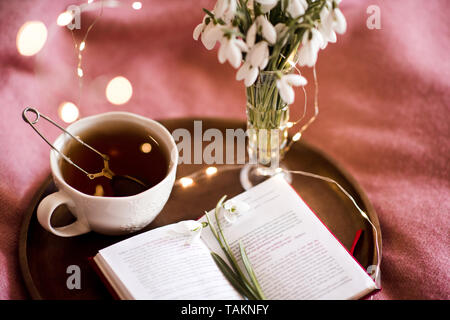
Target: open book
point(293, 254)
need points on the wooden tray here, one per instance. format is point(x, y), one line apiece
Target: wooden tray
point(44, 257)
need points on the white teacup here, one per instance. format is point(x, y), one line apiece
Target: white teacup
point(108, 215)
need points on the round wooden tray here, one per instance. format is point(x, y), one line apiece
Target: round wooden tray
point(44, 257)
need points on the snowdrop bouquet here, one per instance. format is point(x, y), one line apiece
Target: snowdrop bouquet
point(271, 36)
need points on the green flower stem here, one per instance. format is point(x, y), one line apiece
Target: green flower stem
point(234, 274)
point(228, 249)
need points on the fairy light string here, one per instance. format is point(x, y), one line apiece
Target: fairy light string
point(81, 47)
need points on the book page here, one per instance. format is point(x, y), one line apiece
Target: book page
point(293, 254)
point(161, 264)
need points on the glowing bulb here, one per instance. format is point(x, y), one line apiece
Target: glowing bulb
point(296, 136)
point(186, 182)
point(119, 90)
point(31, 38)
point(68, 112)
point(146, 147)
point(82, 45)
point(80, 72)
point(137, 5)
point(289, 124)
point(211, 170)
point(64, 18)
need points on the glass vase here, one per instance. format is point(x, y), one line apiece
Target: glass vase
point(267, 131)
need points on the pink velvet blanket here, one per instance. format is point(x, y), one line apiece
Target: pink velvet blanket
point(384, 102)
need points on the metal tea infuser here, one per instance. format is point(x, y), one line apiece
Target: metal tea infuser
point(122, 185)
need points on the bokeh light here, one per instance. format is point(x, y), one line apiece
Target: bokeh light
point(64, 18)
point(296, 136)
point(119, 90)
point(31, 37)
point(68, 112)
point(186, 182)
point(211, 170)
point(137, 5)
point(146, 147)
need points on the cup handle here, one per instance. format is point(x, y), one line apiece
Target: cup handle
point(46, 209)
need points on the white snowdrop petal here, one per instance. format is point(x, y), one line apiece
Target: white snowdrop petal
point(242, 72)
point(268, 30)
point(264, 63)
point(295, 80)
point(242, 206)
point(222, 54)
point(230, 217)
point(267, 2)
point(332, 38)
point(251, 35)
point(267, 8)
point(303, 55)
point(231, 11)
point(279, 84)
point(286, 93)
point(220, 7)
point(197, 31)
point(324, 13)
point(295, 8)
point(241, 45)
point(340, 22)
point(234, 55)
point(317, 38)
point(280, 29)
point(259, 53)
point(211, 35)
point(308, 54)
point(251, 76)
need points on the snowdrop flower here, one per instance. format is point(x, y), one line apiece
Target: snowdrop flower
point(231, 49)
point(312, 41)
point(297, 8)
point(263, 26)
point(257, 59)
point(267, 5)
point(331, 22)
point(225, 9)
point(258, 56)
point(326, 28)
point(248, 73)
point(189, 228)
point(209, 32)
point(233, 208)
point(285, 83)
point(199, 29)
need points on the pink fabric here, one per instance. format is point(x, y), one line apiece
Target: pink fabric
point(384, 98)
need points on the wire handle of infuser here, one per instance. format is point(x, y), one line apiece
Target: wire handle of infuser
point(38, 115)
